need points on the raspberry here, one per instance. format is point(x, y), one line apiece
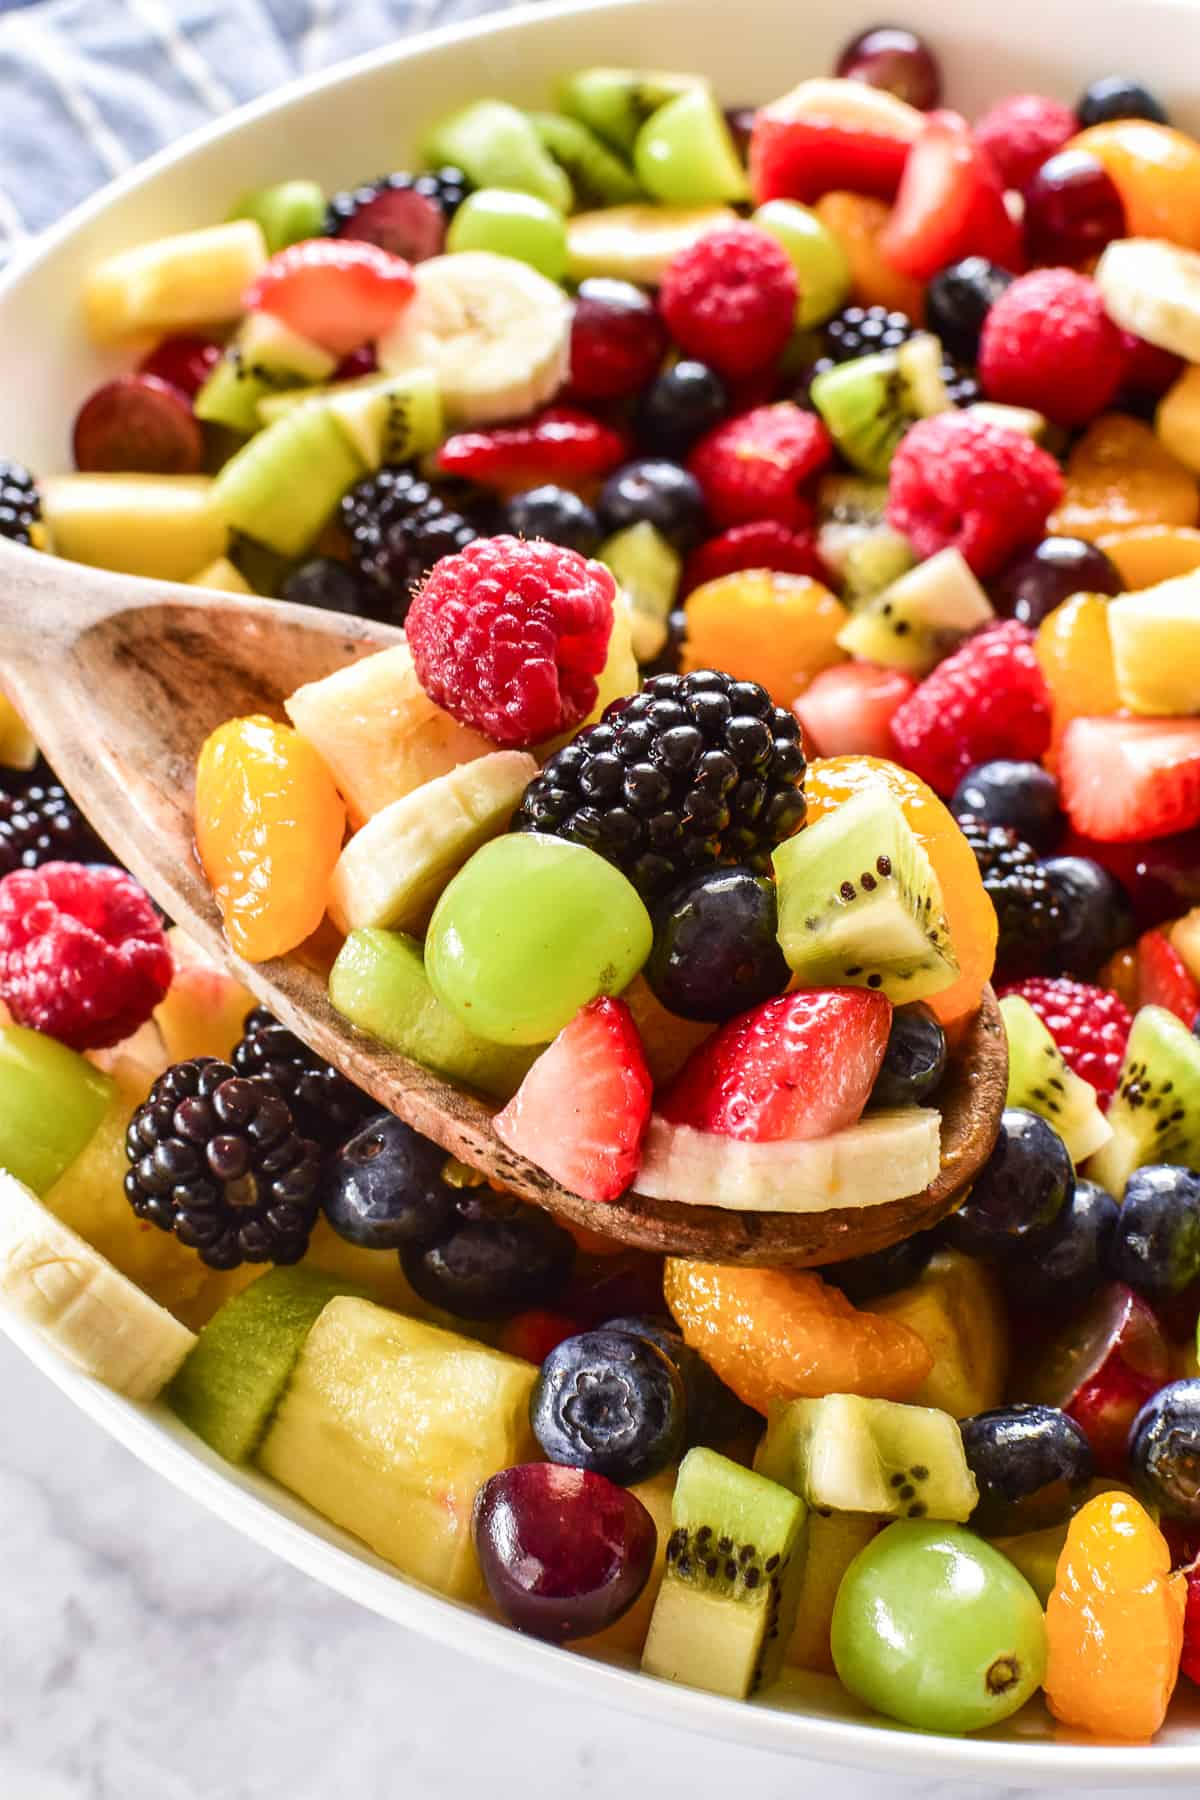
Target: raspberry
point(956, 480)
point(1048, 343)
point(510, 636)
point(754, 466)
point(1021, 132)
point(988, 700)
point(730, 299)
point(761, 544)
point(83, 956)
point(1090, 1025)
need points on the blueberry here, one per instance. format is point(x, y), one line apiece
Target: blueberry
point(1031, 1464)
point(1164, 1450)
point(658, 491)
point(494, 1258)
point(959, 299)
point(914, 1061)
point(1019, 1194)
point(327, 583)
point(1095, 913)
point(384, 1187)
point(715, 949)
point(555, 514)
point(1119, 97)
point(1156, 1245)
point(1073, 1262)
point(864, 1278)
point(714, 1412)
point(683, 403)
point(610, 1402)
point(1018, 794)
point(1038, 580)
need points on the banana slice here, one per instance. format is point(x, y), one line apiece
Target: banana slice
point(1153, 289)
point(87, 1309)
point(494, 331)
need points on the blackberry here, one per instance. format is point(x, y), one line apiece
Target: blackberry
point(218, 1160)
point(861, 330)
point(446, 187)
point(1027, 905)
point(694, 771)
point(398, 528)
point(20, 503)
point(40, 823)
point(325, 1106)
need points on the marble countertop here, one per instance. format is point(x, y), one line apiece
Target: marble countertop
point(148, 1652)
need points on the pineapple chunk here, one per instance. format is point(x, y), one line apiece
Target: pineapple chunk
point(17, 747)
point(957, 1310)
point(1156, 647)
point(390, 1426)
point(174, 283)
point(222, 577)
point(1177, 421)
point(158, 525)
point(627, 1636)
point(379, 732)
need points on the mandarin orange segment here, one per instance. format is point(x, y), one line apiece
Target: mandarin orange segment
point(1156, 171)
point(1120, 973)
point(1153, 553)
point(269, 829)
point(856, 221)
point(1075, 653)
point(765, 626)
point(1119, 478)
point(971, 915)
point(784, 1334)
point(1114, 1622)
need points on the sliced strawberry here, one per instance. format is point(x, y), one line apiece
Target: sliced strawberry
point(1163, 978)
point(797, 1067)
point(831, 134)
point(582, 1111)
point(1128, 779)
point(847, 710)
point(336, 291)
point(561, 445)
point(950, 204)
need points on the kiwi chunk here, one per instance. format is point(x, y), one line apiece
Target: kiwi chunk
point(615, 103)
point(860, 904)
point(1040, 1081)
point(1155, 1112)
point(919, 618)
point(598, 176)
point(849, 1454)
point(869, 403)
point(647, 568)
point(264, 357)
point(283, 484)
point(232, 1379)
point(734, 1566)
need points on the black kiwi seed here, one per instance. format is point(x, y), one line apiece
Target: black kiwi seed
point(919, 1472)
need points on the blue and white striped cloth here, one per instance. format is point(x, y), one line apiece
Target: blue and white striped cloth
point(90, 87)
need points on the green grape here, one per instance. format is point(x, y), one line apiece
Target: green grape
point(684, 154)
point(288, 212)
point(51, 1101)
point(511, 224)
point(531, 930)
point(936, 1628)
point(821, 265)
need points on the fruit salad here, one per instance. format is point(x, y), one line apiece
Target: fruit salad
point(783, 528)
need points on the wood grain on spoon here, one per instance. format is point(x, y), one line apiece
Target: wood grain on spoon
point(121, 679)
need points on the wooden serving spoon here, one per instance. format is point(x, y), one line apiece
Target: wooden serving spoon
point(121, 679)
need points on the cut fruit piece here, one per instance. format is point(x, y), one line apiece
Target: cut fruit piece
point(1156, 647)
point(1177, 420)
point(1152, 553)
point(263, 356)
point(1074, 652)
point(597, 175)
point(389, 1427)
point(1184, 937)
point(766, 626)
point(1037, 1553)
point(1011, 418)
point(496, 146)
point(667, 1039)
point(831, 134)
point(159, 525)
point(379, 983)
point(378, 731)
point(1152, 288)
point(635, 243)
point(647, 570)
point(822, 266)
point(221, 577)
point(616, 103)
point(852, 512)
point(834, 1540)
point(869, 403)
point(1040, 1081)
point(393, 870)
point(1120, 478)
point(387, 418)
point(684, 155)
point(339, 292)
point(723, 1617)
point(1164, 979)
point(857, 221)
point(52, 1100)
point(18, 747)
point(79, 1303)
point(859, 902)
point(780, 1334)
point(377, 1274)
point(848, 710)
point(173, 283)
point(628, 1634)
point(203, 1010)
point(844, 1453)
point(232, 1380)
point(950, 204)
point(1155, 1113)
point(959, 1312)
point(282, 486)
point(916, 621)
point(1124, 780)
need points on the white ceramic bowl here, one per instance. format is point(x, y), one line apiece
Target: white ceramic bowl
point(339, 127)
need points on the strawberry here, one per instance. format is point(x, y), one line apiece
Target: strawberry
point(1129, 779)
point(534, 1334)
point(582, 1111)
point(758, 544)
point(561, 445)
point(847, 710)
point(950, 204)
point(1163, 978)
point(831, 134)
point(335, 291)
point(797, 1067)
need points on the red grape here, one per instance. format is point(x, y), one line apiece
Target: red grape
point(1072, 209)
point(893, 58)
point(141, 424)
